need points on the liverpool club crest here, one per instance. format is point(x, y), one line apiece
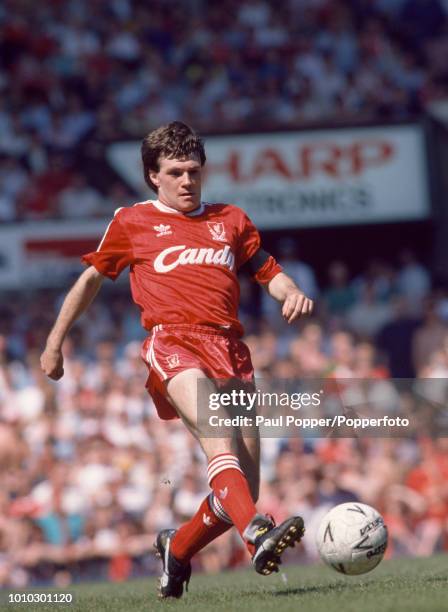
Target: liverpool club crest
point(217, 230)
point(173, 360)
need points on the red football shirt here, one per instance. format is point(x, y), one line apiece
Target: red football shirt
point(183, 266)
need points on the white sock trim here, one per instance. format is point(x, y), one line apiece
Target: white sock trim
point(218, 509)
point(221, 463)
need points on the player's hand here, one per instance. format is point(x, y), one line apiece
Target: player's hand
point(52, 363)
point(295, 305)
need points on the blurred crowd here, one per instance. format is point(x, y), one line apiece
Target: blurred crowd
point(89, 474)
point(76, 75)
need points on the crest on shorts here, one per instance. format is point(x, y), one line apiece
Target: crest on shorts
point(217, 230)
point(173, 360)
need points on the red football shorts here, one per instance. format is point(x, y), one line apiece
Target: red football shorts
point(171, 349)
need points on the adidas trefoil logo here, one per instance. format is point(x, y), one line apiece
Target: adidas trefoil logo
point(223, 493)
point(162, 230)
point(207, 520)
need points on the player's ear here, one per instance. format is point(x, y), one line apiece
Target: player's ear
point(154, 178)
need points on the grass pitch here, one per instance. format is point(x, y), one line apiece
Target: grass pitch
point(402, 585)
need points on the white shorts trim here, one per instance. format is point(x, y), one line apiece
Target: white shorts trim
point(151, 356)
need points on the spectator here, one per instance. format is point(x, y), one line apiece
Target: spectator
point(79, 200)
point(395, 339)
point(368, 315)
point(68, 79)
point(339, 297)
point(430, 336)
point(413, 281)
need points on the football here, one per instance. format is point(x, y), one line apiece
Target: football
point(352, 538)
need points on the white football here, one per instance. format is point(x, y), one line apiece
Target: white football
point(352, 538)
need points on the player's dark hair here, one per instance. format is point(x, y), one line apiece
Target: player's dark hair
point(175, 140)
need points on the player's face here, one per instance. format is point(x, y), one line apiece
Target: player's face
point(179, 182)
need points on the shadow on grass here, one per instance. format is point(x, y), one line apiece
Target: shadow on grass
point(327, 588)
point(224, 595)
point(342, 586)
point(440, 578)
point(286, 592)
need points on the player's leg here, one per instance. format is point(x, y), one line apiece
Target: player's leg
point(183, 392)
point(233, 475)
point(264, 540)
point(248, 452)
point(231, 501)
point(176, 548)
point(225, 474)
point(211, 520)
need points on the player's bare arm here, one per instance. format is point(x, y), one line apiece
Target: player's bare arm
point(76, 302)
point(295, 302)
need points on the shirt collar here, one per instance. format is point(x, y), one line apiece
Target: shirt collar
point(164, 208)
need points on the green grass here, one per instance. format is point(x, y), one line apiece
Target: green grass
point(411, 585)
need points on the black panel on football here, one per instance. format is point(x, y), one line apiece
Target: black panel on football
point(356, 509)
point(328, 532)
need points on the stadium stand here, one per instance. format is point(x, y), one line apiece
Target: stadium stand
point(76, 76)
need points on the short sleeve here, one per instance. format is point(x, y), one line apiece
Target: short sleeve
point(267, 271)
point(249, 240)
point(114, 253)
point(250, 246)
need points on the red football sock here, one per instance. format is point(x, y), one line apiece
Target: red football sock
point(231, 489)
point(209, 522)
